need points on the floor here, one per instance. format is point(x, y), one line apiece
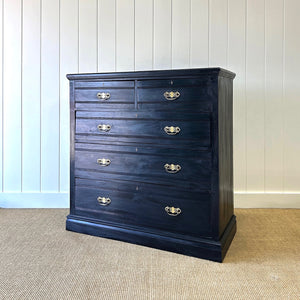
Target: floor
point(39, 259)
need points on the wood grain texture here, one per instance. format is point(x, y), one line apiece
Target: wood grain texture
point(225, 128)
point(136, 169)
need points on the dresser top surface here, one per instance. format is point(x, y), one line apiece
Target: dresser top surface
point(153, 74)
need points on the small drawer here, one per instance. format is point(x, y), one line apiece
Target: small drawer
point(163, 128)
point(183, 94)
point(141, 206)
point(104, 95)
point(172, 167)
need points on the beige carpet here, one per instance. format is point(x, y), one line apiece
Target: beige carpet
point(40, 260)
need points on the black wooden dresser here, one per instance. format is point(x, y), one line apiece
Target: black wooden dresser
point(151, 159)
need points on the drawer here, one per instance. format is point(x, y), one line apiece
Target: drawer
point(183, 94)
point(163, 128)
point(145, 206)
point(105, 95)
point(172, 167)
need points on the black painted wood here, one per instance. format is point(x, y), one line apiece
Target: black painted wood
point(193, 127)
point(136, 182)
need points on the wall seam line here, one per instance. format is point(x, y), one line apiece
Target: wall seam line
point(2, 96)
point(209, 34)
point(283, 94)
point(41, 3)
point(264, 99)
point(22, 132)
point(246, 97)
point(59, 97)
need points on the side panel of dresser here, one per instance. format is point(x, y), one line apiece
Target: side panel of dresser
point(225, 128)
point(72, 147)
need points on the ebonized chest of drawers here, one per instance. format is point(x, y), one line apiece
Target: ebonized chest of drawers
point(151, 159)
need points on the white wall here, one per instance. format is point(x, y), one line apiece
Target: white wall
point(42, 40)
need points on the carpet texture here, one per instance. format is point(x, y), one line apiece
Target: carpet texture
point(39, 259)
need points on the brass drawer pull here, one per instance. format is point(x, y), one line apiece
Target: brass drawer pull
point(173, 211)
point(171, 130)
point(103, 201)
point(172, 168)
point(103, 162)
point(104, 127)
point(103, 96)
point(171, 95)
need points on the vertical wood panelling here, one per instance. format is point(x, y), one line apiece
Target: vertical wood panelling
point(162, 40)
point(31, 96)
point(255, 74)
point(181, 10)
point(50, 96)
point(218, 33)
point(107, 35)
point(12, 96)
point(291, 94)
point(1, 90)
point(274, 94)
point(143, 35)
point(125, 35)
point(43, 40)
point(199, 34)
point(236, 62)
point(68, 64)
point(88, 53)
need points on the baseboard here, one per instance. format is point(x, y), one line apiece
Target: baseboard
point(34, 200)
point(61, 200)
point(266, 200)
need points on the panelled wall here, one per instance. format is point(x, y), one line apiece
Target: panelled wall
point(43, 40)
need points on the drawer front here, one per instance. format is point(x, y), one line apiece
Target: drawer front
point(173, 167)
point(104, 95)
point(176, 128)
point(144, 207)
point(183, 94)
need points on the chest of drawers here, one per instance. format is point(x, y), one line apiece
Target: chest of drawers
point(151, 159)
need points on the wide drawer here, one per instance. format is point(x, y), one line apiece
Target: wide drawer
point(173, 167)
point(144, 206)
point(104, 95)
point(160, 128)
point(183, 94)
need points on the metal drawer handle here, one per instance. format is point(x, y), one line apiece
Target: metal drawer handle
point(171, 130)
point(173, 211)
point(103, 201)
point(104, 127)
point(171, 168)
point(103, 96)
point(171, 95)
point(103, 162)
